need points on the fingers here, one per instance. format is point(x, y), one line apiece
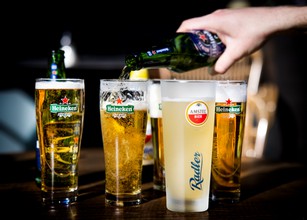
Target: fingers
point(210, 22)
point(188, 25)
point(197, 23)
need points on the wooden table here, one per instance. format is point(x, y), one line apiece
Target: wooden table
point(270, 190)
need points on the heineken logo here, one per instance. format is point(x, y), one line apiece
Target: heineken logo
point(120, 109)
point(55, 108)
point(234, 109)
point(228, 109)
point(63, 107)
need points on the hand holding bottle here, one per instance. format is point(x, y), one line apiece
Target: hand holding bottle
point(245, 30)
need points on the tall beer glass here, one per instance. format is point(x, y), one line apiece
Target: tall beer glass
point(188, 117)
point(124, 115)
point(229, 126)
point(59, 116)
point(155, 111)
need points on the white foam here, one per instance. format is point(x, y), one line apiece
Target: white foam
point(59, 84)
point(236, 92)
point(188, 88)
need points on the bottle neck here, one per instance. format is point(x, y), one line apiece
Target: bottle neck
point(56, 69)
point(157, 57)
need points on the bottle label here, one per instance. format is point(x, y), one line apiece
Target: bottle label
point(64, 109)
point(159, 51)
point(207, 43)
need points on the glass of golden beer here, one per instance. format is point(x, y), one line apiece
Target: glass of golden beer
point(188, 117)
point(123, 115)
point(59, 115)
point(155, 112)
point(230, 111)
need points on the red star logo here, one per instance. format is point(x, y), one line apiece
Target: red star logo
point(65, 100)
point(203, 37)
point(76, 139)
point(119, 101)
point(228, 101)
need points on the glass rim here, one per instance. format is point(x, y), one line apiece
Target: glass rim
point(228, 81)
point(189, 80)
point(124, 80)
point(61, 79)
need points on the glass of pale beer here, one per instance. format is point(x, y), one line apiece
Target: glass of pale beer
point(60, 105)
point(188, 121)
point(230, 111)
point(155, 112)
point(123, 115)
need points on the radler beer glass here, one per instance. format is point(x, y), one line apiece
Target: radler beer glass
point(188, 117)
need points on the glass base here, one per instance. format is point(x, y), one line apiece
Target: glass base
point(197, 205)
point(54, 199)
point(123, 199)
point(225, 197)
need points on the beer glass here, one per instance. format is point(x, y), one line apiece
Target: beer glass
point(230, 110)
point(188, 117)
point(155, 112)
point(123, 115)
point(59, 115)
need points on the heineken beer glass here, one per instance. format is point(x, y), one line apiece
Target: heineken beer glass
point(124, 115)
point(188, 117)
point(155, 112)
point(230, 110)
point(59, 116)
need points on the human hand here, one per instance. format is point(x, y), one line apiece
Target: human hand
point(244, 30)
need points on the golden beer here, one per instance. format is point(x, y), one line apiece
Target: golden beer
point(124, 118)
point(229, 125)
point(157, 141)
point(155, 110)
point(59, 114)
point(188, 117)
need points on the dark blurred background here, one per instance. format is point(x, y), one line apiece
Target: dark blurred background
point(101, 34)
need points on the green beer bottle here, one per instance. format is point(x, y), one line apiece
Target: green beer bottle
point(56, 65)
point(184, 52)
point(56, 70)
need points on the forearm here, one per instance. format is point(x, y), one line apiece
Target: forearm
point(288, 17)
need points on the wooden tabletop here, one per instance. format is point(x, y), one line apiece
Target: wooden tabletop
point(270, 190)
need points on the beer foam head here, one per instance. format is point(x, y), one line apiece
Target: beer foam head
point(188, 89)
point(234, 90)
point(59, 84)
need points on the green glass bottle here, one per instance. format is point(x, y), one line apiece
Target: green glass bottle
point(56, 65)
point(56, 70)
point(184, 52)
